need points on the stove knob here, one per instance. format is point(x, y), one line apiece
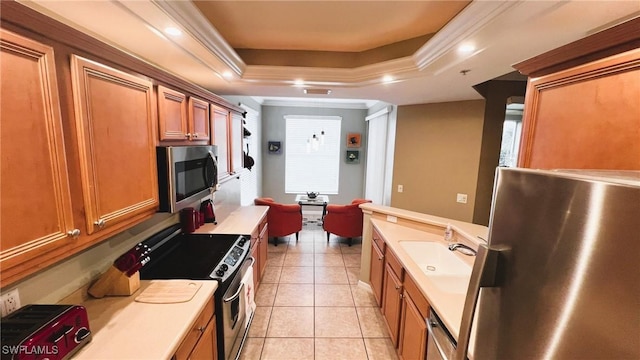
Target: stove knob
point(224, 267)
point(242, 242)
point(219, 273)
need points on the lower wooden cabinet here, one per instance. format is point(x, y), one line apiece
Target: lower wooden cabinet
point(377, 272)
point(413, 326)
point(392, 303)
point(200, 342)
point(262, 251)
point(206, 348)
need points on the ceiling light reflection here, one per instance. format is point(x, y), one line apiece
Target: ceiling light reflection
point(173, 31)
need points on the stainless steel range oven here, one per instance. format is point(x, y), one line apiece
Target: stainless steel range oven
point(222, 258)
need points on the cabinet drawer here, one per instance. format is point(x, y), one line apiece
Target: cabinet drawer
point(196, 331)
point(377, 239)
point(394, 263)
point(414, 292)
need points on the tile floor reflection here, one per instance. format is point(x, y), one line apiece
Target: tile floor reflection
point(311, 307)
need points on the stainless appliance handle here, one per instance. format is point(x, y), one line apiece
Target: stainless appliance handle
point(431, 325)
point(483, 275)
point(237, 293)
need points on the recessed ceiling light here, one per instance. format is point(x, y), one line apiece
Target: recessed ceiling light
point(173, 31)
point(298, 82)
point(387, 79)
point(466, 48)
point(227, 74)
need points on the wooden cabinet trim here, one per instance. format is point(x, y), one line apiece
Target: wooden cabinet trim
point(377, 273)
point(622, 37)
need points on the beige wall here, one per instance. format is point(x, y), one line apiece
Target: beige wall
point(437, 155)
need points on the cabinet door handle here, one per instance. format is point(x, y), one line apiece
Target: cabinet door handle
point(74, 233)
point(188, 136)
point(100, 223)
point(397, 287)
point(195, 135)
point(201, 329)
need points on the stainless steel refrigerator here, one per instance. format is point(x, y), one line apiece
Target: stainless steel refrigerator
point(560, 275)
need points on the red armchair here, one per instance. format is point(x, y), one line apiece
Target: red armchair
point(344, 220)
point(283, 219)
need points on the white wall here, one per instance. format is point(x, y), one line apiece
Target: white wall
point(351, 182)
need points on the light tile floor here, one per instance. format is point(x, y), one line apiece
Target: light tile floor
point(310, 305)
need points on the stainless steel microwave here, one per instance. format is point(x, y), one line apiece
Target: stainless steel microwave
point(186, 174)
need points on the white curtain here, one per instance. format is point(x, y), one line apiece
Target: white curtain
point(376, 156)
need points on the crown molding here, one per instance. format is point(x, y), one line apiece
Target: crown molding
point(188, 16)
point(469, 21)
point(400, 69)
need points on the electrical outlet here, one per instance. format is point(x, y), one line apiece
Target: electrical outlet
point(400, 188)
point(10, 302)
point(392, 219)
point(461, 198)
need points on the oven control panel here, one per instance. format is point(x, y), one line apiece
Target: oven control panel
point(232, 260)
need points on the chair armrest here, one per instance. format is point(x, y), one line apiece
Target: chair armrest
point(288, 208)
point(332, 208)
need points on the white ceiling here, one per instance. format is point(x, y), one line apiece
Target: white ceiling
point(503, 33)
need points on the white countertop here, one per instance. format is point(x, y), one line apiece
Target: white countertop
point(241, 221)
point(125, 329)
point(448, 306)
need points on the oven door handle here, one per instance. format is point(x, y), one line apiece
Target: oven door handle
point(234, 296)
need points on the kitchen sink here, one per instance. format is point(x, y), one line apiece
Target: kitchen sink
point(447, 272)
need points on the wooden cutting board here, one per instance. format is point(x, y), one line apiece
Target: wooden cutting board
point(169, 292)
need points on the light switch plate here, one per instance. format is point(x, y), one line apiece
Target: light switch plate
point(461, 198)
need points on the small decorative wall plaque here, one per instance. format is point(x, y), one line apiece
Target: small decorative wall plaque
point(353, 156)
point(353, 140)
point(275, 147)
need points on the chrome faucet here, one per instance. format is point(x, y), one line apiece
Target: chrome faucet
point(463, 249)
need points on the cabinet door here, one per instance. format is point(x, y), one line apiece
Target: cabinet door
point(220, 125)
point(235, 140)
point(198, 119)
point(377, 271)
point(35, 211)
point(115, 126)
point(205, 349)
point(413, 332)
point(264, 243)
point(392, 302)
point(172, 114)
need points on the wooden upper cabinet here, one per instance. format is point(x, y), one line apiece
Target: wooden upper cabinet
point(582, 107)
point(220, 126)
point(115, 127)
point(36, 210)
point(198, 119)
point(172, 114)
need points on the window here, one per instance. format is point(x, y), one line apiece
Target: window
point(309, 166)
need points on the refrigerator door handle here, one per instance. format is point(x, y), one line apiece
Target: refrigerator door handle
point(483, 275)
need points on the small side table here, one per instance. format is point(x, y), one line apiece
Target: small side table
point(320, 200)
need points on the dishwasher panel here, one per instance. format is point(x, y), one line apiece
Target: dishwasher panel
point(440, 344)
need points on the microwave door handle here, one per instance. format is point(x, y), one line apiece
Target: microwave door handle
point(483, 275)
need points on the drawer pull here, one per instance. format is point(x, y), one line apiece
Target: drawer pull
point(201, 329)
point(100, 223)
point(74, 233)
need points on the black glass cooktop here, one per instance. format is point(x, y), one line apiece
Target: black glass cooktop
point(188, 257)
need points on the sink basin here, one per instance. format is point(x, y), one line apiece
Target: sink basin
point(449, 273)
